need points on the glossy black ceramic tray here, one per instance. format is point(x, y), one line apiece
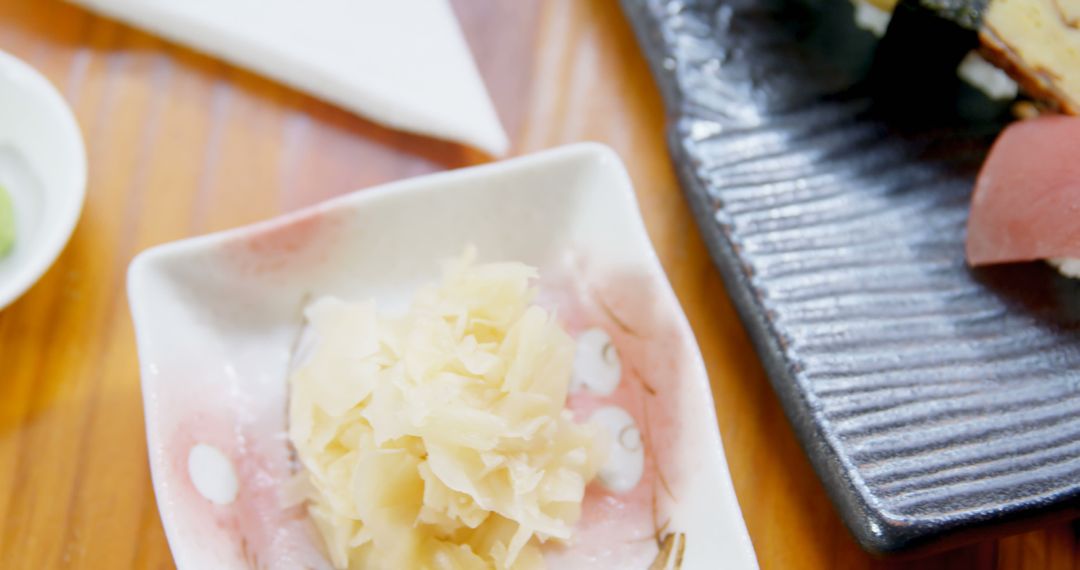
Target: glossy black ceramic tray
point(936, 403)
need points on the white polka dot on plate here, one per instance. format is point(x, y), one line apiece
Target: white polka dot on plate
point(213, 474)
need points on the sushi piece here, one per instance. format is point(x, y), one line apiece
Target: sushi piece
point(1038, 43)
point(928, 47)
point(999, 46)
point(927, 38)
point(1026, 204)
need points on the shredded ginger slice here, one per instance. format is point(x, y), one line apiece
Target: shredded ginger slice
point(440, 439)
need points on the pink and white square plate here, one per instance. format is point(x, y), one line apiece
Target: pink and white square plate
point(217, 318)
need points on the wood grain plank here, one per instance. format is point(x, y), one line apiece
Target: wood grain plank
point(181, 144)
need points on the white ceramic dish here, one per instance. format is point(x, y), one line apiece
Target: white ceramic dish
point(403, 64)
point(216, 318)
point(43, 167)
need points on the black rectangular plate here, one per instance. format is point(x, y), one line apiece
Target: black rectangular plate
point(936, 403)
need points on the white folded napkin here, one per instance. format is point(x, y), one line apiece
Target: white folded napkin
point(402, 63)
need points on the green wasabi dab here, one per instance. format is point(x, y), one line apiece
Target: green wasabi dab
point(7, 223)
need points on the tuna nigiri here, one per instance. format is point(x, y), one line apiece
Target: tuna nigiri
point(1026, 204)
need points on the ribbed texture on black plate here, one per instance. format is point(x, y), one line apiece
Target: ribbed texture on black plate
point(933, 400)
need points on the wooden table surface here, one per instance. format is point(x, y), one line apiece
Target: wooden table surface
point(180, 144)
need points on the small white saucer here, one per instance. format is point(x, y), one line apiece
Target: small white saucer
point(43, 168)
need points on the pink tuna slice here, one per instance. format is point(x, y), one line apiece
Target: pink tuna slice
point(1026, 204)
